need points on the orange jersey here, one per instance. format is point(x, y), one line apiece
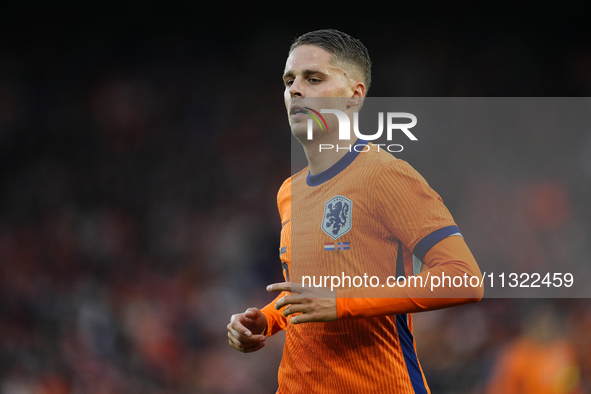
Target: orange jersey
point(372, 214)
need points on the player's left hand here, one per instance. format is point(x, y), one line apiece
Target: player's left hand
point(316, 304)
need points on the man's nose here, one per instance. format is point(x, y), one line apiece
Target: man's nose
point(296, 89)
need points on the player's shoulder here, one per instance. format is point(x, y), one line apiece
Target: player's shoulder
point(286, 185)
point(284, 194)
point(297, 177)
point(384, 164)
point(284, 199)
point(378, 158)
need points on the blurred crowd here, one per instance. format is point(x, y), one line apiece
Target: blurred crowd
point(138, 213)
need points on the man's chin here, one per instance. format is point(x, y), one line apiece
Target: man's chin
point(300, 131)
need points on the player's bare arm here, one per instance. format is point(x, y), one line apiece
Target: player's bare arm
point(246, 331)
point(314, 304)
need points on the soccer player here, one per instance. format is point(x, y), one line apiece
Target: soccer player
point(354, 213)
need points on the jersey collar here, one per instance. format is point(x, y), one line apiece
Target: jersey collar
point(326, 175)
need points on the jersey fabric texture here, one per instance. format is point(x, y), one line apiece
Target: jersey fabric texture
point(373, 214)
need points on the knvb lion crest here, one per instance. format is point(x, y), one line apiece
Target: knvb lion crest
point(337, 216)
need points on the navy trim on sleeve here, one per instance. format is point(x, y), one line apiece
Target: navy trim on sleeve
point(327, 175)
point(430, 240)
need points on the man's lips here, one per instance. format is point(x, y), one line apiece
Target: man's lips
point(297, 110)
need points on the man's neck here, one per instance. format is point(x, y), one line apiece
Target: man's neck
point(320, 161)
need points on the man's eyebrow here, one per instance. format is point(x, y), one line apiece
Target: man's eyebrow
point(305, 72)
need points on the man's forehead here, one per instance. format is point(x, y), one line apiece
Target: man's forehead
point(308, 57)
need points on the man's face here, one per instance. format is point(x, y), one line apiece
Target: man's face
point(309, 73)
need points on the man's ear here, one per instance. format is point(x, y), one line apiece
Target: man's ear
point(359, 90)
point(358, 95)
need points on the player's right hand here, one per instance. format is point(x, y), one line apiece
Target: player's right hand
point(246, 330)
